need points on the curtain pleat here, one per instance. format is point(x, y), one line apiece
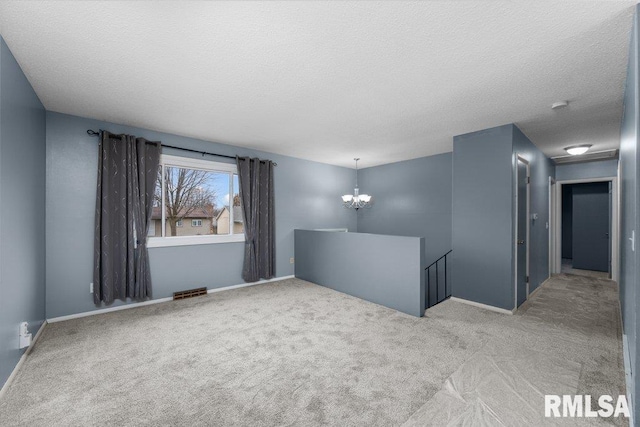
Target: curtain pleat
point(127, 172)
point(257, 197)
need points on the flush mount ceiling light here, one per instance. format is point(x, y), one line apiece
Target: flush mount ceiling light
point(576, 150)
point(356, 200)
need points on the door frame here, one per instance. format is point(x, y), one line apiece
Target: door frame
point(556, 225)
point(519, 158)
point(551, 224)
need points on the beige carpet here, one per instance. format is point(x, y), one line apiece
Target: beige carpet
point(565, 340)
point(293, 353)
point(567, 268)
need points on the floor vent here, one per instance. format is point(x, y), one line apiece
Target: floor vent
point(189, 293)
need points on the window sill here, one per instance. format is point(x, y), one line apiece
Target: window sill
point(163, 242)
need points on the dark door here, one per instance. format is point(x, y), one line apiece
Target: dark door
point(591, 226)
point(521, 242)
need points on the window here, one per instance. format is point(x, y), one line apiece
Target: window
point(204, 193)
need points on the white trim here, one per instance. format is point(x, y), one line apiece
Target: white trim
point(188, 162)
point(163, 220)
point(244, 285)
point(108, 310)
point(615, 223)
point(485, 306)
point(231, 196)
point(158, 301)
point(626, 356)
point(552, 225)
point(616, 216)
point(556, 265)
point(586, 180)
point(627, 376)
point(6, 385)
point(163, 242)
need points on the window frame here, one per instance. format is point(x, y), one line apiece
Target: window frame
point(196, 223)
point(167, 160)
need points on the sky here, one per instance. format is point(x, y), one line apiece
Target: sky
point(218, 183)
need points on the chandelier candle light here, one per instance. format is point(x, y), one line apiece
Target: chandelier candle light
point(356, 200)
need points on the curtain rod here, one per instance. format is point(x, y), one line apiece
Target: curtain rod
point(94, 133)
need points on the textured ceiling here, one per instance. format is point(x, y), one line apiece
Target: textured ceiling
point(329, 81)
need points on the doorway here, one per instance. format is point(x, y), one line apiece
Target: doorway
point(522, 232)
point(585, 228)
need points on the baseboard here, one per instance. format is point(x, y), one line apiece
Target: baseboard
point(244, 285)
point(480, 305)
point(627, 377)
point(6, 385)
point(158, 301)
point(108, 310)
point(628, 374)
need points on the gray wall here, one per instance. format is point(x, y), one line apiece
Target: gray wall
point(599, 169)
point(307, 196)
point(386, 270)
point(412, 198)
point(484, 167)
point(482, 217)
point(541, 168)
point(22, 219)
point(629, 294)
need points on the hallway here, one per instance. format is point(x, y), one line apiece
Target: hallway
point(566, 339)
point(567, 268)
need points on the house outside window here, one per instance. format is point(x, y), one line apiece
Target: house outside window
point(202, 193)
point(152, 228)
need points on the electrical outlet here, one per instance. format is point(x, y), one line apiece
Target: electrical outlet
point(24, 337)
point(291, 260)
point(90, 288)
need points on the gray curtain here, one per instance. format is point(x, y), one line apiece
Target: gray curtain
point(256, 194)
point(127, 174)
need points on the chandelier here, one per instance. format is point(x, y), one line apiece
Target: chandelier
point(356, 200)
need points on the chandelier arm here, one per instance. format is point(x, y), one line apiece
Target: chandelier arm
point(356, 201)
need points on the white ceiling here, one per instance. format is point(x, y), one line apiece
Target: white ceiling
point(329, 81)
